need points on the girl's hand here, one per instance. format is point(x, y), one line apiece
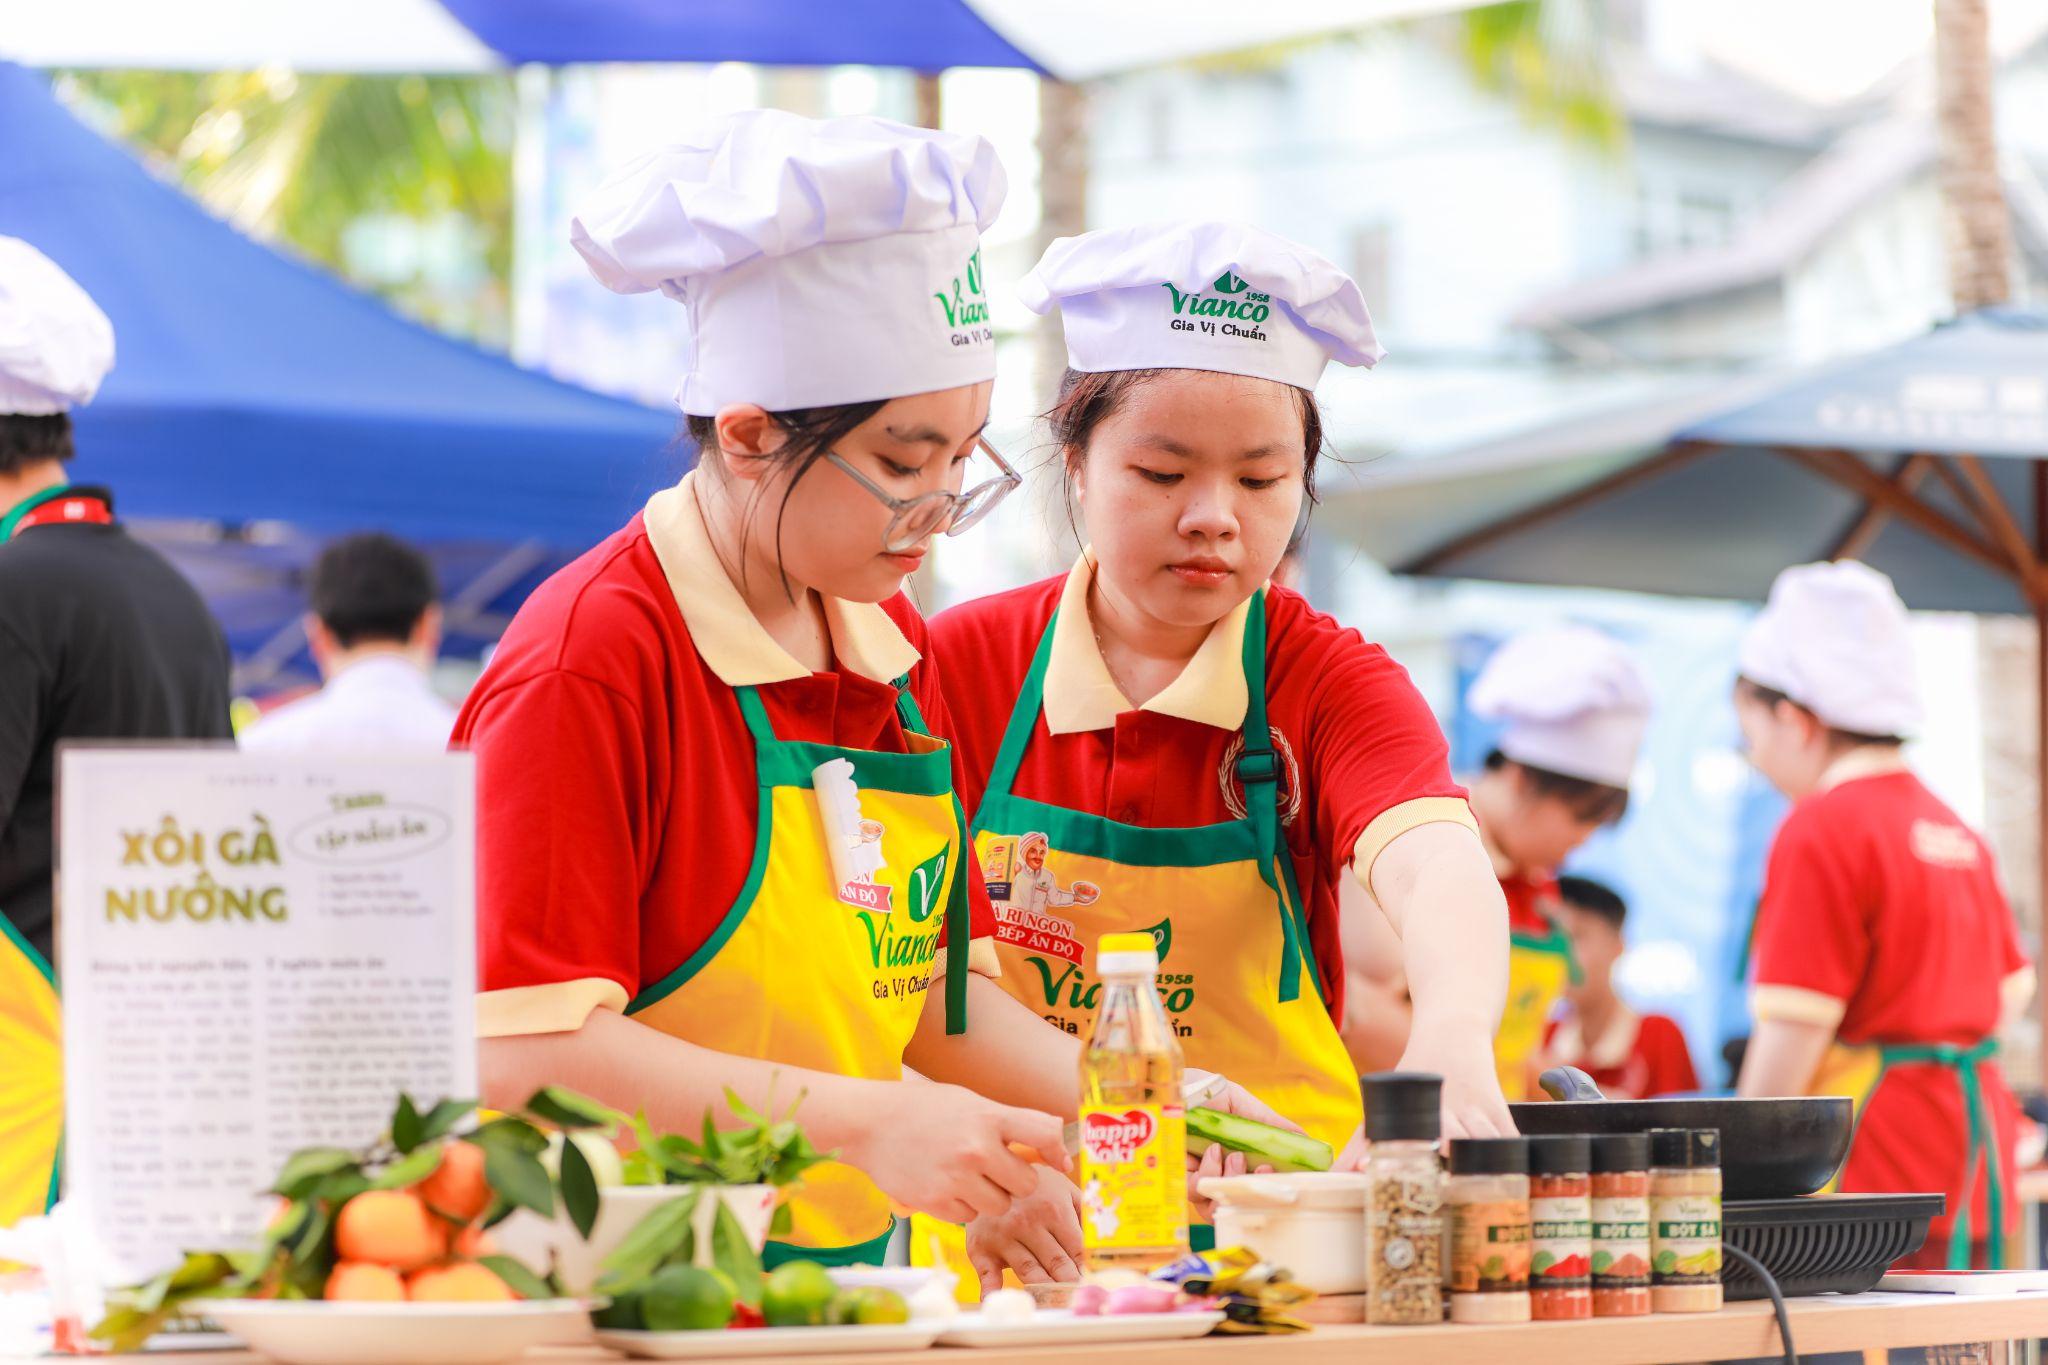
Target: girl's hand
point(1039, 1238)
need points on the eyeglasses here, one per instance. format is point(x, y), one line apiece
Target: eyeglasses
point(928, 514)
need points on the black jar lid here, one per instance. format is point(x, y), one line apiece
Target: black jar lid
point(1685, 1147)
point(1560, 1154)
point(1402, 1106)
point(1490, 1156)
point(1614, 1153)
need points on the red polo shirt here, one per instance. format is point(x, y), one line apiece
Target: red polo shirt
point(1363, 758)
point(1883, 917)
point(615, 775)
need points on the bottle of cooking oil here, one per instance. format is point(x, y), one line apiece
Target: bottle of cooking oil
point(1134, 1135)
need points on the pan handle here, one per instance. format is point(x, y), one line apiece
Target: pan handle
point(1569, 1083)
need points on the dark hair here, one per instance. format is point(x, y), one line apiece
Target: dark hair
point(1089, 398)
point(371, 588)
point(812, 433)
point(1837, 738)
point(27, 439)
point(1595, 898)
point(1596, 802)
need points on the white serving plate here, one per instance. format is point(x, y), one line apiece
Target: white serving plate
point(735, 1343)
point(315, 1332)
point(1062, 1327)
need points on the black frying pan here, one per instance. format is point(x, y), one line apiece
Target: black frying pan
point(1770, 1149)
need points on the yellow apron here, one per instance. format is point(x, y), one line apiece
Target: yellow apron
point(1220, 900)
point(1540, 966)
point(805, 972)
point(31, 1079)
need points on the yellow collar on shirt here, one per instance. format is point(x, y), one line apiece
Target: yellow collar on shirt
point(1871, 760)
point(1080, 694)
point(732, 642)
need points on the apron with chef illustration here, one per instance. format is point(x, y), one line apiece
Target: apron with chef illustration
point(1220, 901)
point(31, 1079)
point(1540, 967)
point(1858, 1071)
point(810, 973)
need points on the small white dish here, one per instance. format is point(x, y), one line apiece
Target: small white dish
point(1060, 1327)
point(315, 1332)
point(734, 1343)
point(904, 1279)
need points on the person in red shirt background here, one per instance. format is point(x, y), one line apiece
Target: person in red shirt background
point(1630, 1056)
point(1885, 957)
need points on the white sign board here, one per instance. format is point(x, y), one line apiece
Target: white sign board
point(256, 954)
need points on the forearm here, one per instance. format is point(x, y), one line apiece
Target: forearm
point(1007, 1053)
point(625, 1064)
point(1441, 896)
point(1377, 1022)
point(1783, 1057)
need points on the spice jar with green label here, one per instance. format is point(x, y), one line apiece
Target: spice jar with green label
point(1685, 1219)
point(1560, 1227)
point(1487, 1196)
point(1404, 1226)
point(1621, 1225)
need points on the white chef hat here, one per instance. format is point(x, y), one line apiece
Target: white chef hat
point(1836, 639)
point(55, 343)
point(1201, 296)
point(1574, 700)
point(820, 261)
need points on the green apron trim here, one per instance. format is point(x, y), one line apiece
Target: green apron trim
point(21, 509)
point(1254, 838)
point(28, 950)
point(1556, 942)
point(869, 1252)
point(1983, 1139)
point(790, 763)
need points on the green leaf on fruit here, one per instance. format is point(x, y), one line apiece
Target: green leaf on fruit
point(666, 1232)
point(732, 1253)
point(407, 1127)
point(570, 1111)
point(579, 1189)
point(306, 1168)
point(409, 1169)
point(517, 1277)
point(444, 1118)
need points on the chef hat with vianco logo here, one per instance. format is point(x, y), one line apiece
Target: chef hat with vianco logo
point(818, 261)
point(1201, 296)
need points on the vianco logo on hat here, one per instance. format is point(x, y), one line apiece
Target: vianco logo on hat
point(1202, 296)
point(818, 261)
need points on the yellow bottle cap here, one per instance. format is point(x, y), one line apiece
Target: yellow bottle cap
point(1126, 943)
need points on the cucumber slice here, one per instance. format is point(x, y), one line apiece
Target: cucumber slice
point(1262, 1143)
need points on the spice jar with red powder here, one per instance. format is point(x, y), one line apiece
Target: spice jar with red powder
point(1621, 1225)
point(1561, 1227)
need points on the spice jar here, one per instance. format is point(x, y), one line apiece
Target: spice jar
point(1685, 1219)
point(1404, 1229)
point(1621, 1225)
point(1560, 1227)
point(1487, 1198)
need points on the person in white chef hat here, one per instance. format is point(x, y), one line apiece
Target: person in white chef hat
point(100, 639)
point(1572, 704)
point(1884, 958)
point(1205, 748)
point(680, 728)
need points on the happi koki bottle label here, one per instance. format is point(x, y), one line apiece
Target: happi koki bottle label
point(1134, 1176)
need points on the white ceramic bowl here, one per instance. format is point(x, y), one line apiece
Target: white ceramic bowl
point(314, 1332)
point(534, 1239)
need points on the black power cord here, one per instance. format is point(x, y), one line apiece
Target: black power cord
point(1770, 1284)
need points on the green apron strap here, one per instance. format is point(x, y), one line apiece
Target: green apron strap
point(959, 922)
point(1258, 768)
point(756, 716)
point(1023, 720)
point(1983, 1140)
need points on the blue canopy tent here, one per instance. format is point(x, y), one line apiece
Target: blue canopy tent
point(1927, 460)
point(255, 393)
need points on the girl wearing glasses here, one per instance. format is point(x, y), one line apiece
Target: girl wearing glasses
point(718, 843)
point(1203, 749)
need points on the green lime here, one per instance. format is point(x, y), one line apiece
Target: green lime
point(797, 1295)
point(685, 1298)
point(868, 1307)
point(622, 1314)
